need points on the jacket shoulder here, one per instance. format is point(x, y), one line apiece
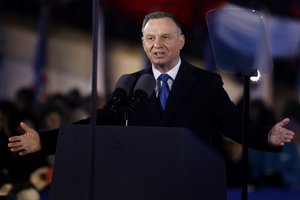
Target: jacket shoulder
point(202, 73)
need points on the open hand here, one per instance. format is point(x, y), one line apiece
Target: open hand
point(279, 135)
point(29, 142)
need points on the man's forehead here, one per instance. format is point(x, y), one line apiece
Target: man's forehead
point(161, 26)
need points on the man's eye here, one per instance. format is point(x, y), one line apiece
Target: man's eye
point(150, 38)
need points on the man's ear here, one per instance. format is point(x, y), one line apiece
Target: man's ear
point(142, 38)
point(182, 41)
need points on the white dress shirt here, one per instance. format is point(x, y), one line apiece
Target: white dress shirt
point(172, 73)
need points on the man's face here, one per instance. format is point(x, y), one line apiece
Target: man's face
point(162, 42)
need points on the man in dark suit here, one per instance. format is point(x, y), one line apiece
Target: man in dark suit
point(197, 99)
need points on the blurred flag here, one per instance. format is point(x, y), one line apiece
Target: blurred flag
point(39, 82)
point(101, 87)
point(283, 38)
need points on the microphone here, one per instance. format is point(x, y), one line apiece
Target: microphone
point(121, 92)
point(142, 90)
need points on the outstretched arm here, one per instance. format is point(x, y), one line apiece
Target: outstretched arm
point(29, 142)
point(279, 135)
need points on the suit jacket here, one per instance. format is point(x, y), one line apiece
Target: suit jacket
point(196, 101)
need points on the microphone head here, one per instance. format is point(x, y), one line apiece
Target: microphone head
point(145, 84)
point(125, 83)
point(121, 91)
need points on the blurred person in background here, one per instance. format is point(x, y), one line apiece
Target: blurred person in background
point(258, 112)
point(17, 169)
point(23, 191)
point(279, 170)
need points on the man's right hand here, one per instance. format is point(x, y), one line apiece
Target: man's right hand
point(29, 142)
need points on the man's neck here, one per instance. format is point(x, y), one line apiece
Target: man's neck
point(171, 71)
point(165, 68)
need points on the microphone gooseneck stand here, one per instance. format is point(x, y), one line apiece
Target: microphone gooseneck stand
point(126, 118)
point(95, 26)
point(246, 74)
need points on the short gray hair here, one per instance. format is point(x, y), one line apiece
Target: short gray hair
point(159, 15)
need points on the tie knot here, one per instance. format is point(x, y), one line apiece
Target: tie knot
point(164, 77)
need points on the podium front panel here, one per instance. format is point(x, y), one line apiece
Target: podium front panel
point(149, 163)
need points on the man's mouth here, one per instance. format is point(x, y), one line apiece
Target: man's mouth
point(159, 53)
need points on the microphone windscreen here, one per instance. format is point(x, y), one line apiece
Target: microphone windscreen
point(125, 83)
point(146, 83)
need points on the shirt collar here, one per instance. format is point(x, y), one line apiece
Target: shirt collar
point(172, 73)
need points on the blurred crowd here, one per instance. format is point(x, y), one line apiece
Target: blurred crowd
point(34, 171)
point(267, 169)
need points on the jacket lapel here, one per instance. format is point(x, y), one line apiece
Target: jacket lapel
point(183, 83)
point(152, 105)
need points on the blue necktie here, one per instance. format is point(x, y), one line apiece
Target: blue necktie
point(164, 90)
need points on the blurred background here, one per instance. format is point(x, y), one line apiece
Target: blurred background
point(46, 63)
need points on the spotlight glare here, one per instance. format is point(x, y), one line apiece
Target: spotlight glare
point(255, 78)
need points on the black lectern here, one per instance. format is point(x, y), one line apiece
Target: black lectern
point(137, 163)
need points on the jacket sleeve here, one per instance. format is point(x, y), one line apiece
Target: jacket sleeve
point(49, 138)
point(231, 120)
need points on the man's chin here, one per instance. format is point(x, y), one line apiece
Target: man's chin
point(159, 65)
point(159, 62)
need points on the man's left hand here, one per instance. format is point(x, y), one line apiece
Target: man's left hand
point(279, 135)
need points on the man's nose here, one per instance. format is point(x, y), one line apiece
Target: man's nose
point(158, 42)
